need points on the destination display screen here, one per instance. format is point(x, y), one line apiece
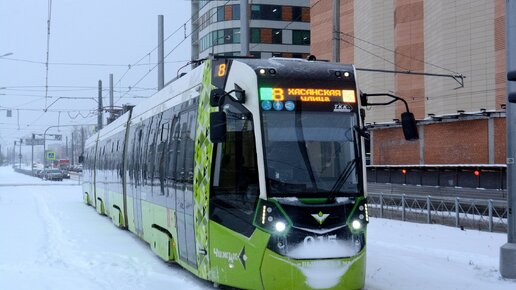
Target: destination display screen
point(309, 98)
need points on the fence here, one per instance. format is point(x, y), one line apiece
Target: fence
point(486, 215)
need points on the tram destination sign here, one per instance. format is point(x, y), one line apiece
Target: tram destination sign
point(317, 95)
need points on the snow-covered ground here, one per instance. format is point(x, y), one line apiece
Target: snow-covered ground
point(50, 240)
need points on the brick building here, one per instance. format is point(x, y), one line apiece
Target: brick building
point(277, 28)
point(457, 125)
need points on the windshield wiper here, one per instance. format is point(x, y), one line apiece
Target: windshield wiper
point(302, 148)
point(344, 175)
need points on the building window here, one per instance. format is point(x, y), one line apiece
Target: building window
point(296, 13)
point(255, 12)
point(274, 12)
point(220, 13)
point(228, 36)
point(277, 36)
point(236, 35)
point(219, 37)
point(236, 12)
point(266, 12)
point(255, 35)
point(301, 37)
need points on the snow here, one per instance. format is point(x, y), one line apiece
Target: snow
point(51, 240)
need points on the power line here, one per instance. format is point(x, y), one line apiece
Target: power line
point(373, 54)
point(398, 53)
point(84, 64)
point(173, 49)
point(148, 54)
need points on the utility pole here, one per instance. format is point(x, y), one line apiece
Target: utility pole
point(72, 149)
point(99, 117)
point(244, 28)
point(161, 58)
point(14, 154)
point(32, 154)
point(21, 141)
point(66, 146)
point(82, 140)
point(508, 250)
point(111, 93)
point(336, 31)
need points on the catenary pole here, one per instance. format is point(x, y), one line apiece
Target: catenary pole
point(508, 250)
point(161, 55)
point(244, 28)
point(21, 141)
point(99, 117)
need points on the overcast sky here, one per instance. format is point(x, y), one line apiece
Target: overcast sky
point(88, 41)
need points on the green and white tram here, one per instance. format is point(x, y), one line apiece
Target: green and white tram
point(246, 172)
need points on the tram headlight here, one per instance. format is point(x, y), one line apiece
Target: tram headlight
point(356, 225)
point(271, 218)
point(280, 226)
point(359, 216)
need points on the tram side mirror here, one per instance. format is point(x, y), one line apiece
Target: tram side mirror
point(215, 97)
point(217, 127)
point(512, 97)
point(81, 159)
point(511, 76)
point(408, 123)
point(239, 94)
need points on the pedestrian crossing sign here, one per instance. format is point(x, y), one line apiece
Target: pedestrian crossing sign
point(51, 155)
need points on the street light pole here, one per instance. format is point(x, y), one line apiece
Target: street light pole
point(508, 250)
point(21, 141)
point(45, 139)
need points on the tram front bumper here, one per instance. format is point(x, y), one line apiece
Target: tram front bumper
point(279, 272)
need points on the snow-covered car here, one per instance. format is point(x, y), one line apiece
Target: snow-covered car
point(53, 174)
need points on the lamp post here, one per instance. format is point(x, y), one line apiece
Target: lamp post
point(45, 139)
point(21, 141)
point(508, 250)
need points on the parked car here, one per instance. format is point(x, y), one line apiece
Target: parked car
point(38, 173)
point(53, 174)
point(66, 174)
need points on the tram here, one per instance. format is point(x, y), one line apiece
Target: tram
point(246, 172)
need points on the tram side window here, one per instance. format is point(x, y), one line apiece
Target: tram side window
point(173, 149)
point(235, 179)
point(189, 141)
point(159, 169)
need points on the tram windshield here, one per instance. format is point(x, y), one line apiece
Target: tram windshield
point(310, 153)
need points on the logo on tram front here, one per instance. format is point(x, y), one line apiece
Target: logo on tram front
point(320, 217)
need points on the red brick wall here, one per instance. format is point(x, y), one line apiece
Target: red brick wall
point(347, 48)
point(390, 148)
point(321, 29)
point(462, 142)
point(410, 53)
point(500, 139)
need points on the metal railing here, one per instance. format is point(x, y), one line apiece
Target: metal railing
point(480, 214)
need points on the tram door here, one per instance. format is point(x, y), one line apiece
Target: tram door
point(184, 190)
point(138, 182)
